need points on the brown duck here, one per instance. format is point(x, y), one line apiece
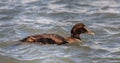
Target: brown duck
point(77, 29)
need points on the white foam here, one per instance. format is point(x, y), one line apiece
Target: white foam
point(44, 20)
point(28, 1)
point(40, 20)
point(55, 6)
point(110, 10)
point(103, 3)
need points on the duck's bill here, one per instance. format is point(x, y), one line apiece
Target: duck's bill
point(89, 31)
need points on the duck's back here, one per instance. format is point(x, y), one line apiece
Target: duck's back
point(45, 39)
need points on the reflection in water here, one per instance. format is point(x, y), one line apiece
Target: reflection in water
point(19, 19)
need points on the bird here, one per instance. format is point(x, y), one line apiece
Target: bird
point(76, 31)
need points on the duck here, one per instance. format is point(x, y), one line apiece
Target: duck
point(45, 38)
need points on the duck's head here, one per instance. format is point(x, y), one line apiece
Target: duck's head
point(80, 28)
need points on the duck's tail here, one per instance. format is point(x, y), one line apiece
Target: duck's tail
point(23, 40)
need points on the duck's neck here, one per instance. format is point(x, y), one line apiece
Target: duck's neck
point(73, 38)
point(76, 36)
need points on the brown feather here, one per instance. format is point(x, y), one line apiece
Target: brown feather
point(45, 39)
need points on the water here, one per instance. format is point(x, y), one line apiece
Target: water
point(20, 18)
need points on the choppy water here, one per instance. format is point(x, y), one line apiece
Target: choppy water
point(20, 18)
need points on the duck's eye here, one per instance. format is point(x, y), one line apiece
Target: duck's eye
point(81, 30)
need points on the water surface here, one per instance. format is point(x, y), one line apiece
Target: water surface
point(20, 18)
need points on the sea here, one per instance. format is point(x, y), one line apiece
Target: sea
point(21, 18)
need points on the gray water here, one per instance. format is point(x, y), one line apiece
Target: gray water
point(20, 18)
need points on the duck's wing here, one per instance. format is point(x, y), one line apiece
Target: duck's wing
point(45, 39)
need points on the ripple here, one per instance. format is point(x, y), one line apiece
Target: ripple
point(33, 52)
point(27, 1)
point(102, 3)
point(36, 23)
point(55, 6)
